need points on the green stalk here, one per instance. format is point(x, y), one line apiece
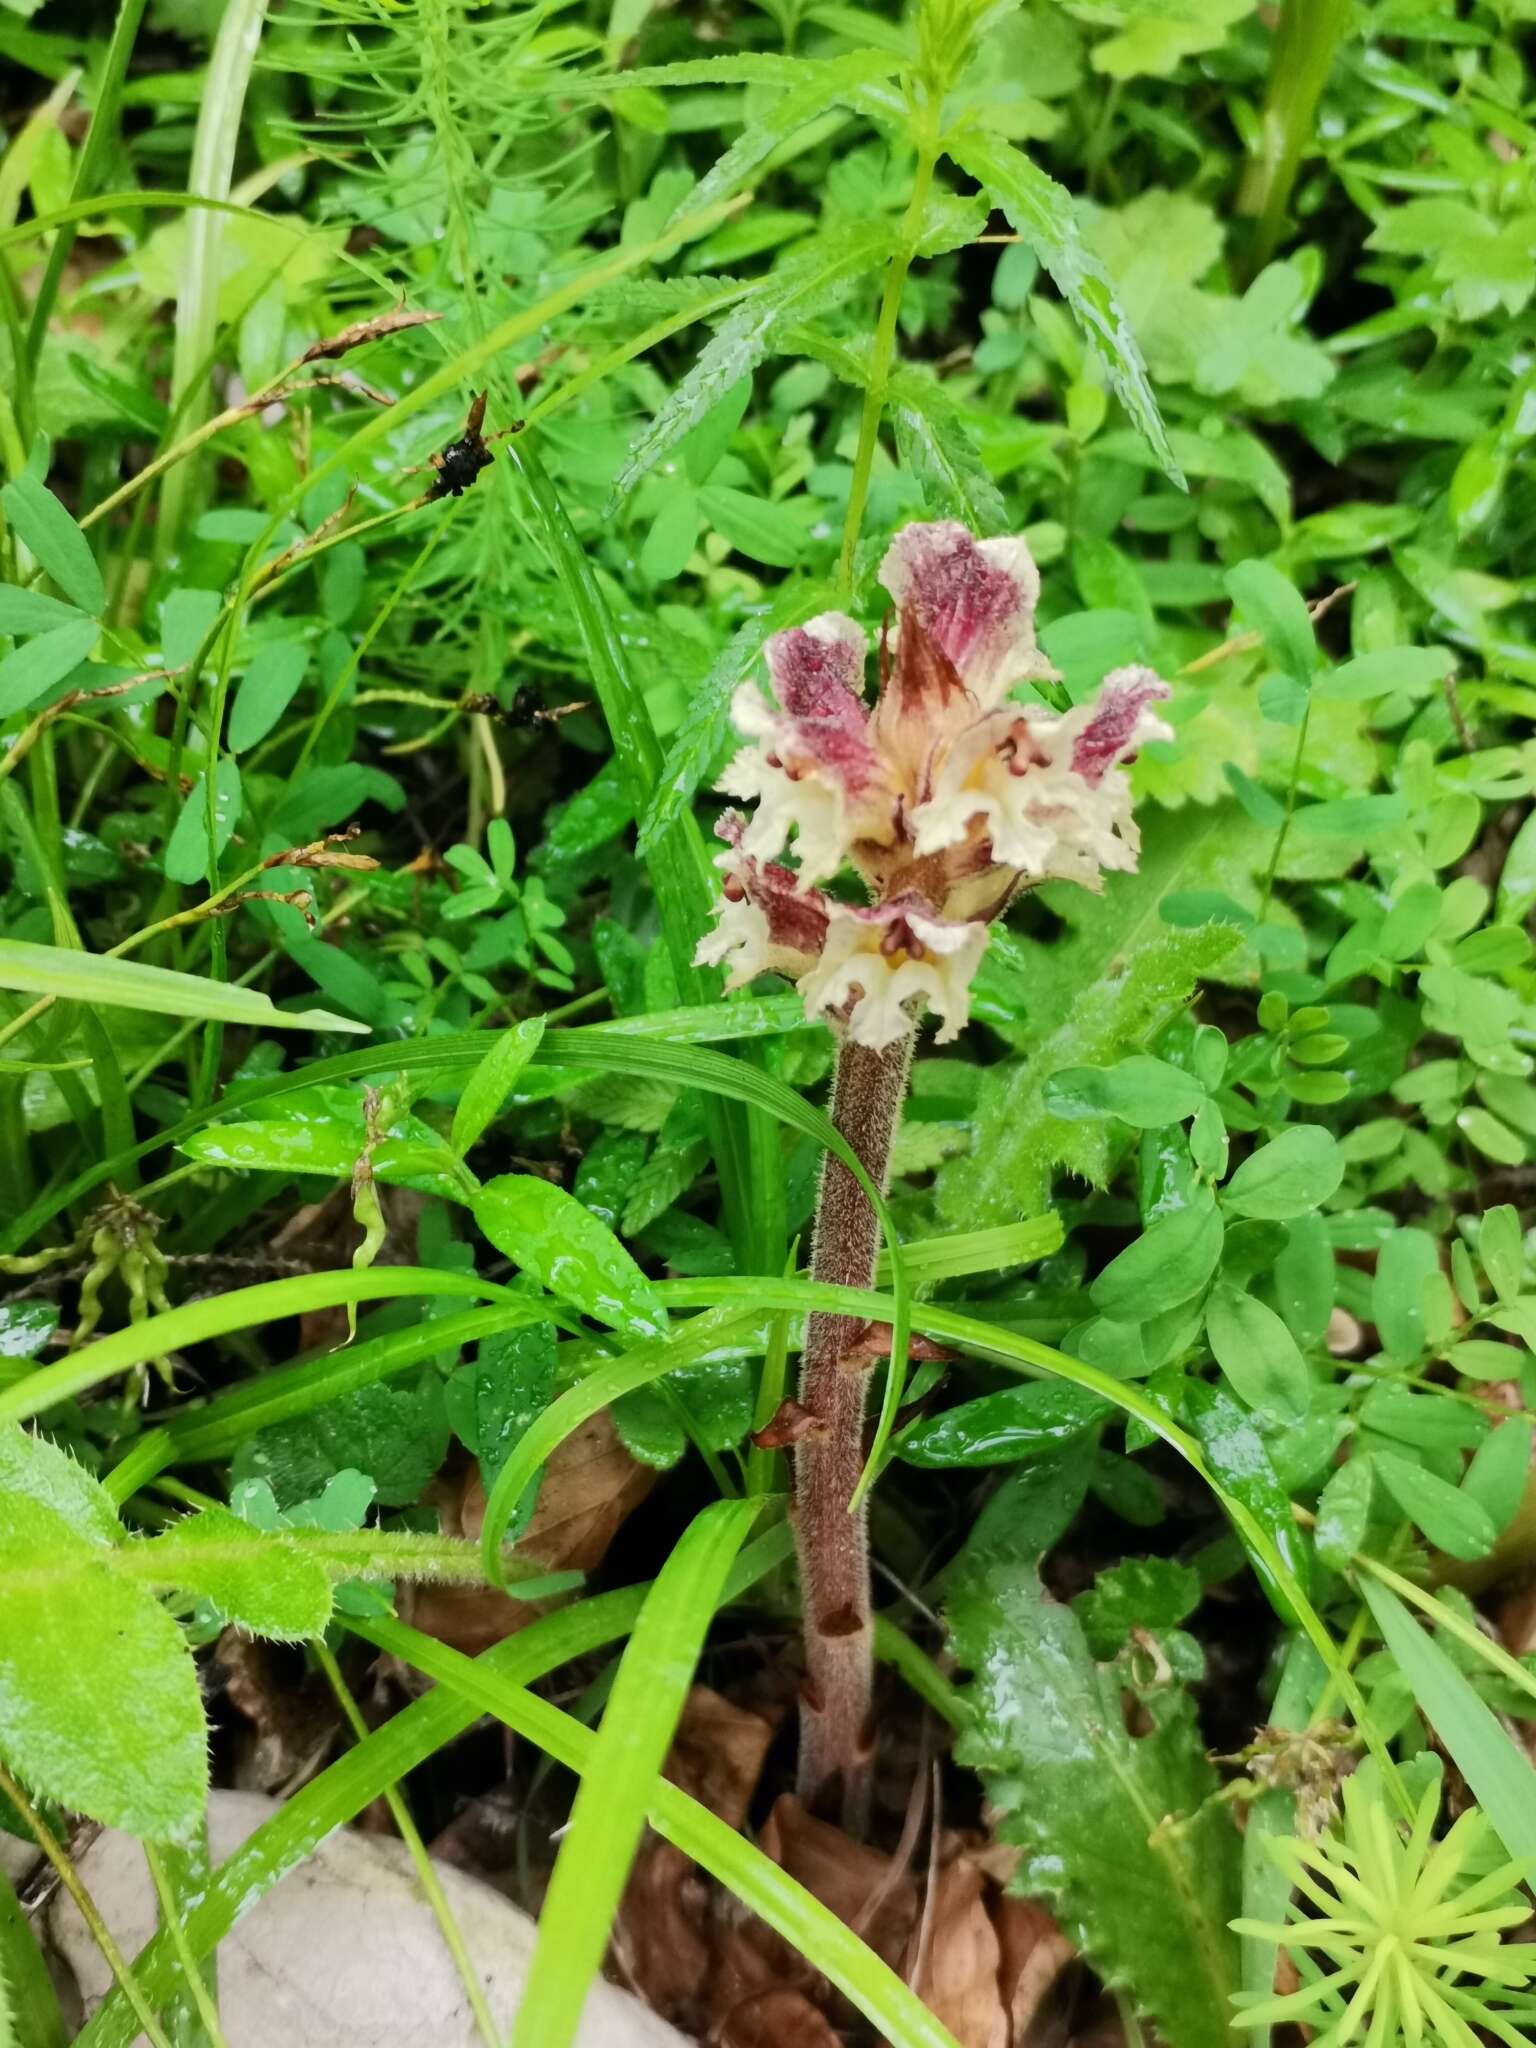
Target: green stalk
point(197, 296)
point(71, 1880)
point(1283, 831)
point(426, 1871)
point(1301, 58)
point(194, 2024)
point(884, 352)
point(99, 138)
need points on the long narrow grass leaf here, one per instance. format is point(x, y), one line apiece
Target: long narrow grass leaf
point(76, 977)
point(245, 1308)
point(619, 1783)
point(826, 1943)
point(1502, 1779)
point(390, 1753)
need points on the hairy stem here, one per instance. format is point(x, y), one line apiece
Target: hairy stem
point(831, 1539)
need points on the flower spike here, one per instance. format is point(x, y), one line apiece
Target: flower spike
point(946, 798)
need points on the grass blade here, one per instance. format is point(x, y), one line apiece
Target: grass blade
point(216, 1316)
point(610, 1382)
point(899, 2016)
point(619, 1784)
point(679, 866)
point(697, 1024)
point(345, 1787)
point(75, 977)
point(1502, 1780)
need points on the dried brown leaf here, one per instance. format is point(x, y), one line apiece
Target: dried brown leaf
point(292, 1723)
point(960, 1981)
point(845, 1875)
point(590, 1487)
point(1032, 1953)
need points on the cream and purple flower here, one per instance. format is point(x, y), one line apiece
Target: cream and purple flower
point(946, 796)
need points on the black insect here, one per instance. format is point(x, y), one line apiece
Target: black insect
point(462, 461)
point(525, 712)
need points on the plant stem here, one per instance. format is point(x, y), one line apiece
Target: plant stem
point(426, 1872)
point(70, 1878)
point(1301, 57)
point(881, 355)
point(831, 1538)
point(1284, 830)
point(99, 138)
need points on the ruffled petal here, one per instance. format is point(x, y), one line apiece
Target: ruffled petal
point(812, 770)
point(765, 920)
point(817, 671)
point(974, 601)
point(1122, 722)
point(1046, 791)
point(884, 961)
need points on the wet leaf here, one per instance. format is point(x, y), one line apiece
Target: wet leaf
point(551, 1235)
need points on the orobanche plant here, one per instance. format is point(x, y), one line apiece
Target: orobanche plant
point(947, 797)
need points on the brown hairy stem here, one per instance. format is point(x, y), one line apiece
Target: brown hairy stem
point(836, 1736)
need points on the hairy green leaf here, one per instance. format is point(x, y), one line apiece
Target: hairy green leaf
point(1119, 1832)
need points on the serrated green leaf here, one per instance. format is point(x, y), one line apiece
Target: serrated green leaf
point(256, 1581)
point(1043, 213)
point(935, 443)
point(1103, 989)
point(394, 1432)
point(813, 88)
point(33, 1466)
point(1119, 1833)
point(814, 277)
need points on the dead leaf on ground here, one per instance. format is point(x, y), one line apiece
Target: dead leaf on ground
point(590, 1487)
point(953, 1964)
point(290, 1726)
point(1032, 1955)
point(850, 1879)
point(664, 1939)
point(753, 2009)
